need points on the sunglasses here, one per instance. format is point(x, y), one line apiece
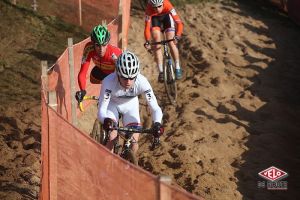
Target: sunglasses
point(127, 78)
point(100, 45)
point(157, 6)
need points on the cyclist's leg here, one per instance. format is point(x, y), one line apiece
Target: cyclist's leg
point(156, 36)
point(131, 118)
point(112, 113)
point(174, 50)
point(97, 75)
point(170, 33)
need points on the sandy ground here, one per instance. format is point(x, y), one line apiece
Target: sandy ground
point(237, 111)
point(238, 103)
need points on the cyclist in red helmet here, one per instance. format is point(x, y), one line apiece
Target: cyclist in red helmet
point(161, 16)
point(103, 55)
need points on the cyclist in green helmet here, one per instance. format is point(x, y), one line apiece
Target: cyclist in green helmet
point(104, 56)
point(100, 35)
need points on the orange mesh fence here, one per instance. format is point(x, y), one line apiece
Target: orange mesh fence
point(79, 168)
point(59, 81)
point(92, 11)
point(44, 190)
point(82, 169)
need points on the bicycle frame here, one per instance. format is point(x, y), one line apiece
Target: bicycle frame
point(126, 134)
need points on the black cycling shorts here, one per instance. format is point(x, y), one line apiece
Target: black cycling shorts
point(97, 74)
point(164, 22)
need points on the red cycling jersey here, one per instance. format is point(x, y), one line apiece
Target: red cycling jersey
point(106, 63)
point(167, 9)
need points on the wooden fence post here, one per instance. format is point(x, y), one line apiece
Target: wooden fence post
point(80, 12)
point(120, 19)
point(44, 68)
point(164, 191)
point(72, 81)
point(34, 5)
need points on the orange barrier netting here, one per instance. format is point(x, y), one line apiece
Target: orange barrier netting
point(73, 165)
point(80, 168)
point(92, 11)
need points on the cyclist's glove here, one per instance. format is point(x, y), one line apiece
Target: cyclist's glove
point(79, 95)
point(147, 44)
point(177, 38)
point(157, 129)
point(108, 124)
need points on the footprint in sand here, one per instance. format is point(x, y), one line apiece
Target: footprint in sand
point(179, 175)
point(201, 140)
point(215, 137)
point(194, 95)
point(173, 165)
point(189, 184)
point(182, 147)
point(146, 165)
point(172, 154)
point(215, 81)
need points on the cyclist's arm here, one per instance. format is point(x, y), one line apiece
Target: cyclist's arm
point(147, 33)
point(85, 63)
point(152, 102)
point(176, 18)
point(104, 99)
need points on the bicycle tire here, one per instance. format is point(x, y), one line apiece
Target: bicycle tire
point(117, 147)
point(95, 131)
point(130, 156)
point(98, 134)
point(170, 81)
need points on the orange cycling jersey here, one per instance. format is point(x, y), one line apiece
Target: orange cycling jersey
point(106, 64)
point(167, 9)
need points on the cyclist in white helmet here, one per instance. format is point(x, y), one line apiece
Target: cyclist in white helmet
point(119, 95)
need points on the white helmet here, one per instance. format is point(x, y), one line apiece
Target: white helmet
point(156, 3)
point(128, 65)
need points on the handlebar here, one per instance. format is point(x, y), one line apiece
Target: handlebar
point(80, 104)
point(163, 42)
point(136, 130)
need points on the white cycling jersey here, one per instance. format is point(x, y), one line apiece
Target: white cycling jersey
point(115, 99)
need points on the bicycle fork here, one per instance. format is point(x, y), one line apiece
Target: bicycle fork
point(170, 69)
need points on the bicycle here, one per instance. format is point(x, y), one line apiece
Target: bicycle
point(168, 71)
point(126, 133)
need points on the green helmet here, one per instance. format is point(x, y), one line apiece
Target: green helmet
point(100, 35)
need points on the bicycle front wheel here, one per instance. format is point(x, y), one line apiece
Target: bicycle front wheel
point(170, 82)
point(130, 156)
point(98, 133)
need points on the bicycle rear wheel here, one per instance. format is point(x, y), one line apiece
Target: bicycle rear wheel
point(169, 81)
